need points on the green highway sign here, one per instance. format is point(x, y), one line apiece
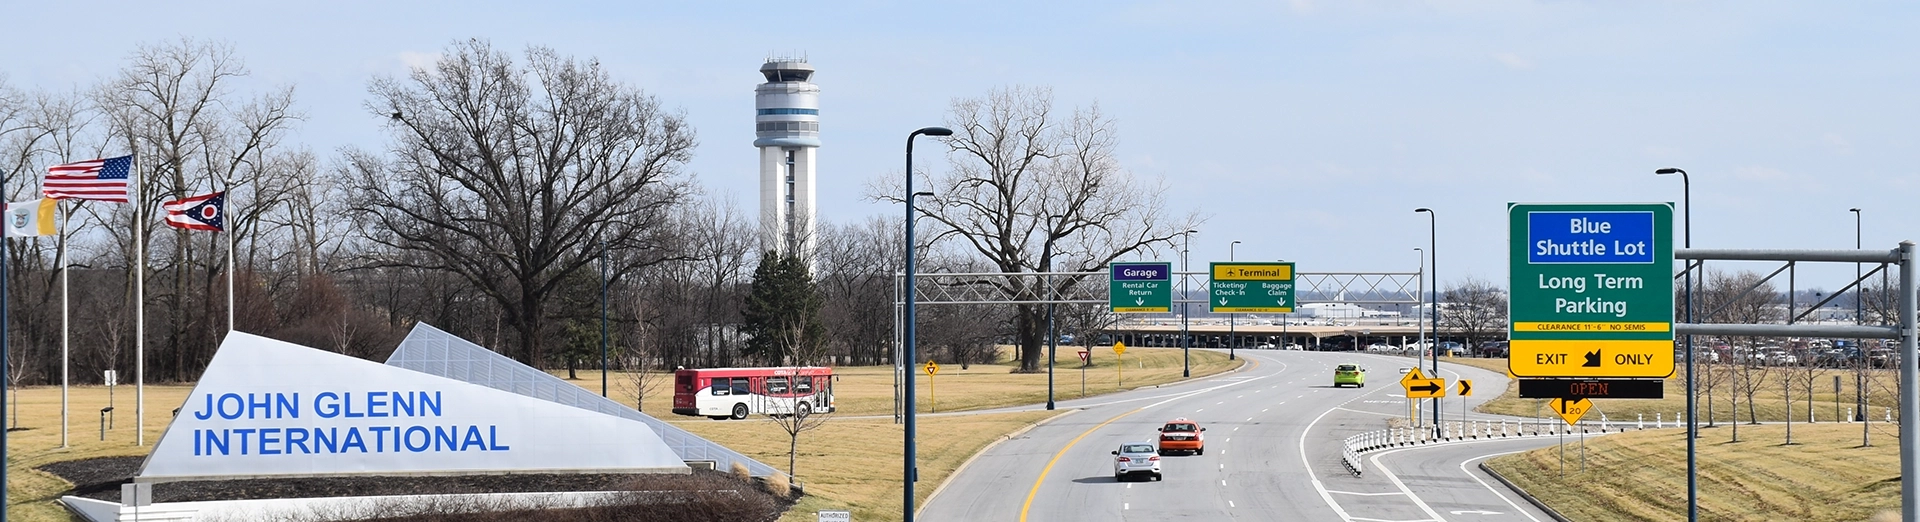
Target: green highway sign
point(1592, 290)
point(1241, 287)
point(1140, 287)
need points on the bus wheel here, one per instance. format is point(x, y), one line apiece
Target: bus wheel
point(803, 409)
point(739, 411)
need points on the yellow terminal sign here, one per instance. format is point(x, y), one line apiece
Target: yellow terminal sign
point(1591, 358)
point(1570, 410)
point(932, 368)
point(1253, 271)
point(1119, 348)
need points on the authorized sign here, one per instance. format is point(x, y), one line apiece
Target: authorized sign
point(1591, 290)
point(1140, 287)
point(1570, 410)
point(1243, 287)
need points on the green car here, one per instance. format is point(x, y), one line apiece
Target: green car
point(1346, 374)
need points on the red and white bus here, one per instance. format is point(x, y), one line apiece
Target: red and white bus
point(721, 393)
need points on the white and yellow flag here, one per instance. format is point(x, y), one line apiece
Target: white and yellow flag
point(30, 218)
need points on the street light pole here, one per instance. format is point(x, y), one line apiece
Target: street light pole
point(1053, 336)
point(1859, 317)
point(1693, 426)
point(1232, 338)
point(1433, 249)
point(1419, 282)
point(603, 319)
point(911, 471)
point(1186, 361)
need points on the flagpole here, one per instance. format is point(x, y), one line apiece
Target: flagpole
point(64, 325)
point(231, 254)
point(5, 434)
point(139, 309)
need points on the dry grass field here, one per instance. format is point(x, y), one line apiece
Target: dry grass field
point(850, 464)
point(868, 390)
point(1768, 398)
point(1825, 476)
point(35, 440)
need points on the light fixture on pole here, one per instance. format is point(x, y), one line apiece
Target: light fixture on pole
point(911, 472)
point(1693, 427)
point(1232, 338)
point(1433, 250)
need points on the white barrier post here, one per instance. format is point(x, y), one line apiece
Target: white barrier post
point(1640, 421)
point(1657, 423)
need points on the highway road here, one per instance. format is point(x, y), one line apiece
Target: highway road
point(1273, 453)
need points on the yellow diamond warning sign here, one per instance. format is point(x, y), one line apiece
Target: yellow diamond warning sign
point(1570, 410)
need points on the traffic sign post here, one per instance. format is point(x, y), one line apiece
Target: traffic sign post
point(1119, 349)
point(1418, 386)
point(1140, 287)
point(1256, 287)
point(933, 406)
point(1466, 387)
point(1591, 290)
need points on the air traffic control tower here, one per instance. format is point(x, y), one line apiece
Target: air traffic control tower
point(787, 132)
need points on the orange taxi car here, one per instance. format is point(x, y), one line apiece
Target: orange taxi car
point(1183, 435)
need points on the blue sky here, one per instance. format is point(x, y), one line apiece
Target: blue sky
point(1307, 130)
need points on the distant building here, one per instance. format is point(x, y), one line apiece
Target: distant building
point(787, 132)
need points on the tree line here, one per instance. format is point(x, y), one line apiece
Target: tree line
point(513, 190)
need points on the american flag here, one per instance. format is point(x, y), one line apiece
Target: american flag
point(98, 180)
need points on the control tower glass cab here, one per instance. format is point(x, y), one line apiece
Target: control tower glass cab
point(787, 132)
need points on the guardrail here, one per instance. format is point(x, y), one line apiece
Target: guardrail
point(1461, 431)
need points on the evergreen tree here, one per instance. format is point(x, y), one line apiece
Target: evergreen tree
point(782, 316)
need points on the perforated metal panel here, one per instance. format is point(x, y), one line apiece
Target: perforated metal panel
point(430, 350)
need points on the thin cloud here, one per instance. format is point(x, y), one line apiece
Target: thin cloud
point(1839, 143)
point(1513, 61)
point(417, 59)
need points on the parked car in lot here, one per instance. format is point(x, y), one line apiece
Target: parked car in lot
point(1136, 459)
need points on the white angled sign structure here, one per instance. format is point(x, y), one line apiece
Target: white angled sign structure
point(267, 408)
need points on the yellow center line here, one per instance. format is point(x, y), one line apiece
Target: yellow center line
point(1035, 491)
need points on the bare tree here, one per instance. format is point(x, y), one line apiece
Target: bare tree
point(1475, 310)
point(1026, 185)
point(503, 174)
point(1741, 298)
point(857, 266)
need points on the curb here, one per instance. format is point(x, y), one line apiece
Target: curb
point(963, 464)
point(1523, 493)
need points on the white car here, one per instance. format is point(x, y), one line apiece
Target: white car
point(1136, 459)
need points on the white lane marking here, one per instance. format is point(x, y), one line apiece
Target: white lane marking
point(1230, 504)
point(1367, 494)
point(1239, 396)
point(1126, 506)
point(1249, 419)
point(1223, 482)
point(1358, 519)
point(1307, 464)
point(1262, 410)
point(1219, 403)
point(1496, 492)
point(1396, 415)
point(1129, 486)
point(1395, 479)
point(1199, 410)
point(1229, 439)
